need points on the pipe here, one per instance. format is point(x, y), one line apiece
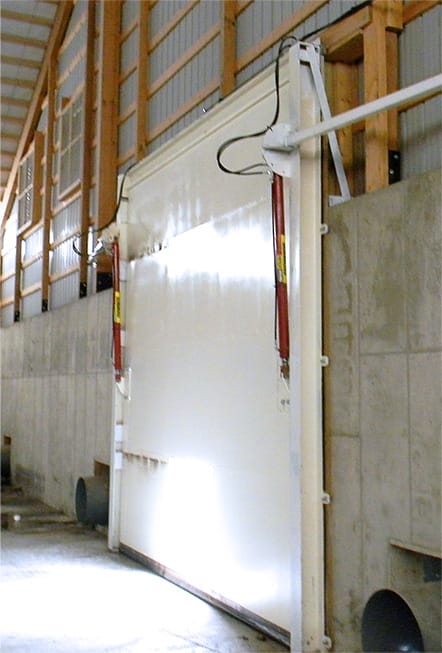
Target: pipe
point(116, 320)
point(280, 273)
point(408, 94)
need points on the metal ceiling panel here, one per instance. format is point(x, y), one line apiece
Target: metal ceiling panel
point(24, 33)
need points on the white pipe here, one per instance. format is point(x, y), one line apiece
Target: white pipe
point(407, 94)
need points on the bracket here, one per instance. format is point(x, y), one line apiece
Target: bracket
point(279, 140)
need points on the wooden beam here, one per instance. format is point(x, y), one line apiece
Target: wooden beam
point(26, 18)
point(63, 14)
point(343, 93)
point(20, 83)
point(23, 40)
point(344, 41)
point(298, 17)
point(19, 61)
point(142, 80)
point(228, 47)
point(14, 102)
point(375, 86)
point(412, 10)
point(47, 182)
point(13, 120)
point(107, 99)
point(86, 165)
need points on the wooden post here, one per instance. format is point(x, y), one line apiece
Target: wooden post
point(86, 173)
point(143, 54)
point(107, 131)
point(228, 47)
point(378, 81)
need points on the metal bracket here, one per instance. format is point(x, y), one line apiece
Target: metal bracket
point(278, 141)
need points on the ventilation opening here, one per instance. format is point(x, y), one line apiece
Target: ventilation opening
point(388, 624)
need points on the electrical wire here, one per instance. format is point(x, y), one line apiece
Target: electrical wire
point(256, 168)
point(262, 168)
point(109, 222)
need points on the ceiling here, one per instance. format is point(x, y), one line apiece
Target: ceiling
point(25, 28)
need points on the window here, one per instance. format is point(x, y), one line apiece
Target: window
point(70, 145)
point(29, 185)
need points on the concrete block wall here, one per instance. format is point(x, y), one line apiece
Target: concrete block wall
point(383, 335)
point(57, 389)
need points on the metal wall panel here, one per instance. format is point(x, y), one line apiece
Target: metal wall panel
point(129, 13)
point(8, 262)
point(128, 92)
point(64, 290)
point(32, 245)
point(7, 315)
point(66, 221)
point(31, 305)
point(63, 257)
point(128, 51)
point(8, 287)
point(420, 47)
point(31, 274)
point(126, 135)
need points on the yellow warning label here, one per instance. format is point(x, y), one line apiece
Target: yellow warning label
point(117, 311)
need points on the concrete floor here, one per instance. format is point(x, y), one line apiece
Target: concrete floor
point(62, 590)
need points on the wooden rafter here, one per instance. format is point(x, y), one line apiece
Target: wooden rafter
point(60, 23)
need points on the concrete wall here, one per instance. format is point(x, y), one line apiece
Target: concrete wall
point(383, 410)
point(57, 397)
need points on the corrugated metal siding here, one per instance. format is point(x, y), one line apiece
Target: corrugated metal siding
point(7, 315)
point(67, 221)
point(8, 288)
point(420, 48)
point(65, 290)
point(129, 12)
point(76, 75)
point(31, 274)
point(260, 18)
point(63, 257)
point(32, 245)
point(194, 76)
point(126, 135)
point(31, 305)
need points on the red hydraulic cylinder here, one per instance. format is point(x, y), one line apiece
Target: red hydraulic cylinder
point(282, 310)
point(116, 318)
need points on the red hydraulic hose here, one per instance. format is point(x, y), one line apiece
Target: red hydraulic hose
point(116, 318)
point(281, 273)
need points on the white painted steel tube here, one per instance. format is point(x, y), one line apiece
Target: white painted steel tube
point(408, 94)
